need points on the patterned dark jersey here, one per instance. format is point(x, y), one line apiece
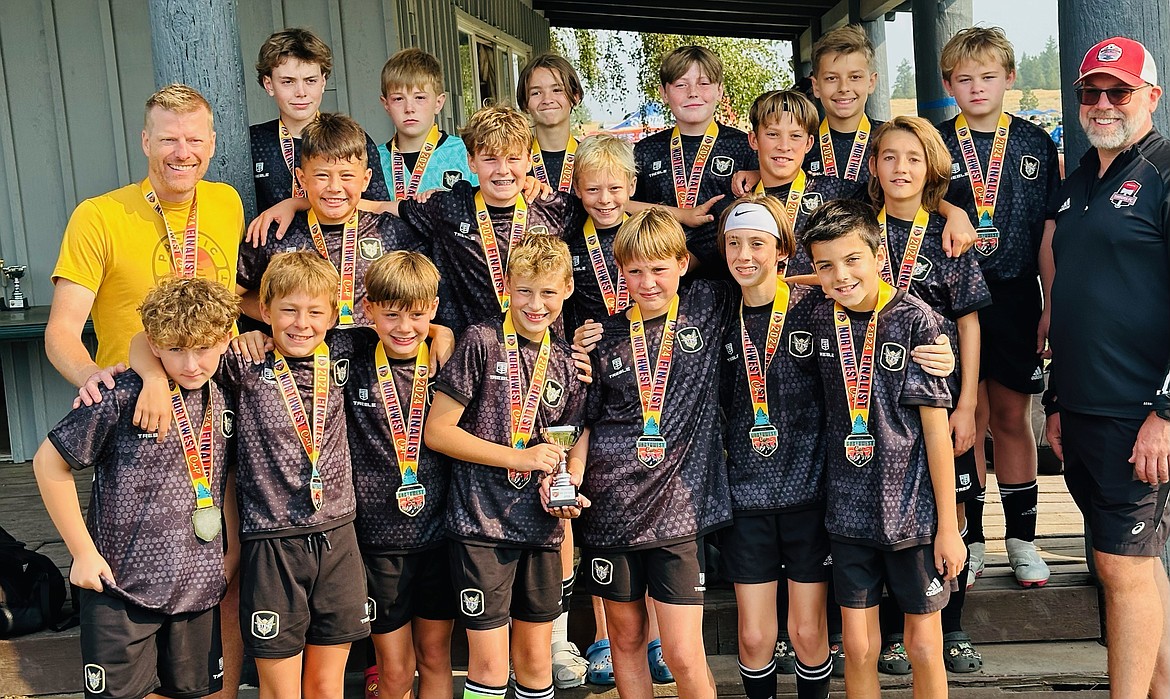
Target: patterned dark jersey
point(482, 506)
point(447, 222)
point(842, 144)
point(272, 481)
point(273, 178)
point(793, 476)
point(143, 500)
point(587, 301)
point(381, 526)
point(1031, 174)
point(818, 190)
point(687, 494)
point(889, 502)
point(377, 234)
point(730, 154)
point(951, 286)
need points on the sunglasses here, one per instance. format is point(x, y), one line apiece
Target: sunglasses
point(1117, 96)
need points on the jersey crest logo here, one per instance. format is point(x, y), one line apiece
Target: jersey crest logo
point(577, 264)
point(1126, 194)
point(95, 678)
point(893, 356)
point(602, 571)
point(340, 372)
point(227, 424)
point(814, 166)
point(1109, 53)
point(1029, 167)
point(956, 169)
point(538, 230)
point(690, 339)
point(370, 248)
point(501, 368)
point(811, 202)
point(800, 343)
point(656, 166)
point(824, 344)
point(922, 267)
point(616, 363)
point(450, 177)
point(363, 394)
point(259, 167)
point(554, 394)
point(371, 610)
point(464, 227)
point(268, 375)
point(265, 624)
point(472, 601)
point(722, 165)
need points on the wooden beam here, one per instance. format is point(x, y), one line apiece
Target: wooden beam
point(686, 9)
point(588, 20)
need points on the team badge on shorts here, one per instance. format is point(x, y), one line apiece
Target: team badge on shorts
point(1029, 167)
point(95, 679)
point(690, 339)
point(722, 166)
point(893, 356)
point(800, 343)
point(471, 600)
point(371, 610)
point(370, 248)
point(340, 372)
point(265, 624)
point(602, 571)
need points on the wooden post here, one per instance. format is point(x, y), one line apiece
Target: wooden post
point(878, 105)
point(197, 42)
point(935, 22)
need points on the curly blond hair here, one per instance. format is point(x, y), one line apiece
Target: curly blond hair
point(497, 130)
point(188, 313)
point(539, 256)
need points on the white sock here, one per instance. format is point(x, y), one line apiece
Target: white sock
point(560, 630)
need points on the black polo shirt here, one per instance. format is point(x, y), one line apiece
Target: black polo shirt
point(1110, 331)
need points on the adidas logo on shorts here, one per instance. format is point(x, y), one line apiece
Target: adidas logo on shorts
point(1038, 375)
point(934, 588)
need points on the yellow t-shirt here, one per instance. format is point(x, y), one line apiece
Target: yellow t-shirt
point(116, 246)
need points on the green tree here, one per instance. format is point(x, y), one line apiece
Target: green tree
point(1028, 99)
point(751, 66)
point(904, 82)
point(1042, 71)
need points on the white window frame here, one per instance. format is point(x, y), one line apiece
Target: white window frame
point(506, 75)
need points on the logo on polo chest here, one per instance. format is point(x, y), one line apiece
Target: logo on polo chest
point(1126, 194)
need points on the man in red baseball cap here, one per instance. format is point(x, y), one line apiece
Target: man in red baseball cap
point(1109, 392)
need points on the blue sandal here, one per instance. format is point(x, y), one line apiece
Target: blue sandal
point(600, 664)
point(659, 672)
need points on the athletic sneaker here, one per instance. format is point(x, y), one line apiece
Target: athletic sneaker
point(1030, 569)
point(785, 655)
point(568, 666)
point(977, 550)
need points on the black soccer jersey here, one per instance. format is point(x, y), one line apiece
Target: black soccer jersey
point(140, 512)
point(818, 190)
point(447, 221)
point(951, 286)
point(273, 472)
point(381, 526)
point(587, 301)
point(274, 179)
point(730, 154)
point(1030, 176)
point(793, 475)
point(842, 146)
point(687, 494)
point(888, 502)
point(482, 505)
point(377, 234)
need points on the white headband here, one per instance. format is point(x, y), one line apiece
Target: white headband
point(753, 216)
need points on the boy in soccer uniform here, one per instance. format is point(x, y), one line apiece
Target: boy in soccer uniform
point(1013, 165)
point(471, 230)
point(335, 173)
point(891, 483)
point(420, 157)
point(689, 167)
point(843, 78)
point(400, 512)
point(302, 589)
point(503, 385)
point(548, 90)
point(150, 560)
point(292, 67)
point(910, 172)
point(655, 456)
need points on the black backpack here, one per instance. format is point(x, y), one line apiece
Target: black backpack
point(32, 590)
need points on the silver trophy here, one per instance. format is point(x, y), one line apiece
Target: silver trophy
point(17, 302)
point(562, 492)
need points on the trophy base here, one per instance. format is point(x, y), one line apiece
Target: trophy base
point(16, 304)
point(562, 496)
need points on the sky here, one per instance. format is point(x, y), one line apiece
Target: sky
point(1028, 25)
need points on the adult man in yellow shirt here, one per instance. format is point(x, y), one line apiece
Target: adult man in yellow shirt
point(118, 245)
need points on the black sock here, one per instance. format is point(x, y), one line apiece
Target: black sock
point(975, 518)
point(813, 682)
point(759, 684)
point(523, 692)
point(952, 614)
point(1019, 509)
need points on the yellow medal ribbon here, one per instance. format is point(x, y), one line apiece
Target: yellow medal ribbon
point(565, 184)
point(523, 405)
point(986, 191)
point(198, 451)
point(757, 371)
point(652, 387)
point(795, 194)
point(686, 189)
point(286, 149)
point(406, 429)
point(403, 189)
point(910, 255)
point(310, 435)
point(616, 299)
point(346, 287)
point(858, 373)
point(184, 254)
point(856, 152)
point(497, 267)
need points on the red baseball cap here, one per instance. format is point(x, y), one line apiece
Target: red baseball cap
point(1125, 59)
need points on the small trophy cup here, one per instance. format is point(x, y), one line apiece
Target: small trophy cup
point(562, 492)
point(14, 272)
